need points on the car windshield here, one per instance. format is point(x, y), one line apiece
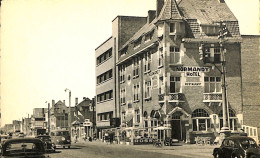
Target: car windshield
point(248, 144)
point(23, 149)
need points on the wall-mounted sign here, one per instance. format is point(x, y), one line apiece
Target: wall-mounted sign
point(192, 69)
point(192, 84)
point(192, 74)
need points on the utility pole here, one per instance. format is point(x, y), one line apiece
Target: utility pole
point(49, 118)
point(69, 115)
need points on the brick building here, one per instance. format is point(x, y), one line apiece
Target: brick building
point(58, 115)
point(38, 121)
point(250, 83)
point(163, 88)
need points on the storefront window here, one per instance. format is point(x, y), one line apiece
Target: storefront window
point(232, 120)
point(200, 120)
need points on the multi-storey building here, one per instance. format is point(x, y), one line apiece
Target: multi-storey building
point(26, 126)
point(123, 27)
point(38, 121)
point(165, 87)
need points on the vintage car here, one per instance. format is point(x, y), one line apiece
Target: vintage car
point(237, 146)
point(3, 138)
point(48, 144)
point(23, 147)
point(61, 138)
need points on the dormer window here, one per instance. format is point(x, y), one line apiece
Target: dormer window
point(123, 52)
point(172, 28)
point(210, 30)
point(149, 36)
point(137, 43)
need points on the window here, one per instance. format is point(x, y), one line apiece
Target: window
point(217, 55)
point(172, 28)
point(175, 84)
point(137, 43)
point(123, 52)
point(147, 62)
point(123, 116)
point(105, 96)
point(104, 77)
point(147, 92)
point(200, 120)
point(175, 55)
point(232, 120)
point(136, 67)
point(149, 36)
point(160, 57)
point(136, 92)
point(212, 84)
point(161, 85)
point(137, 116)
point(122, 96)
point(122, 73)
point(103, 57)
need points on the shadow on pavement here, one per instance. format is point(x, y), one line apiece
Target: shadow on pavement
point(67, 148)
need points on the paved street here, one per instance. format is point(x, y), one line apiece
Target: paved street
point(102, 150)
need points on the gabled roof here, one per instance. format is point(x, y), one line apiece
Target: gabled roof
point(170, 10)
point(206, 11)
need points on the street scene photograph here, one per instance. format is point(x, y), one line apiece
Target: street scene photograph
point(130, 79)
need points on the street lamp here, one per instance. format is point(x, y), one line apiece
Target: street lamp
point(48, 117)
point(225, 129)
point(69, 117)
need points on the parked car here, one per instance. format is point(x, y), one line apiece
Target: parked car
point(21, 134)
point(3, 138)
point(48, 144)
point(237, 146)
point(61, 138)
point(23, 147)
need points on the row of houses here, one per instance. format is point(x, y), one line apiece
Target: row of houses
point(160, 76)
point(56, 117)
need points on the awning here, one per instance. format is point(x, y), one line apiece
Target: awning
point(128, 118)
point(162, 128)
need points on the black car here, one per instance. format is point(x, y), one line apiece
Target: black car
point(48, 144)
point(23, 147)
point(237, 146)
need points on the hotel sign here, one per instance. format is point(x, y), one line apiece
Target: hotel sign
point(192, 71)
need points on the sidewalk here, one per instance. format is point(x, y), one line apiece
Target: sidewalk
point(180, 149)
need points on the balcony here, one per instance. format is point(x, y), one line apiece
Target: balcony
point(161, 98)
point(212, 97)
point(176, 97)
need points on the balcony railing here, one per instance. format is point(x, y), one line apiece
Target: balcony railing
point(212, 97)
point(161, 97)
point(176, 97)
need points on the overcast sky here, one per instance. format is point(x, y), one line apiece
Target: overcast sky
point(49, 45)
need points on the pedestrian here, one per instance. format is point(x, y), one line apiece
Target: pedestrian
point(76, 139)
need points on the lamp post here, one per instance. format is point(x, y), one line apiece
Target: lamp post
point(48, 112)
point(69, 116)
point(224, 132)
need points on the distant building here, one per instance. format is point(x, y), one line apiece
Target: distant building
point(38, 121)
point(8, 128)
point(27, 126)
point(58, 115)
point(84, 118)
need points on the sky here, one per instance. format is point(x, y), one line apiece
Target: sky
point(49, 45)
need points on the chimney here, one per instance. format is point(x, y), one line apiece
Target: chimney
point(151, 16)
point(159, 5)
point(53, 102)
point(221, 1)
point(76, 101)
point(64, 102)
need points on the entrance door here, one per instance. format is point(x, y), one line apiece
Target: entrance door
point(176, 129)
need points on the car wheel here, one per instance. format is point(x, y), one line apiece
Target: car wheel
point(63, 147)
point(236, 156)
point(69, 147)
point(216, 155)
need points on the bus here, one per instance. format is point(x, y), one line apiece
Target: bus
point(61, 138)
